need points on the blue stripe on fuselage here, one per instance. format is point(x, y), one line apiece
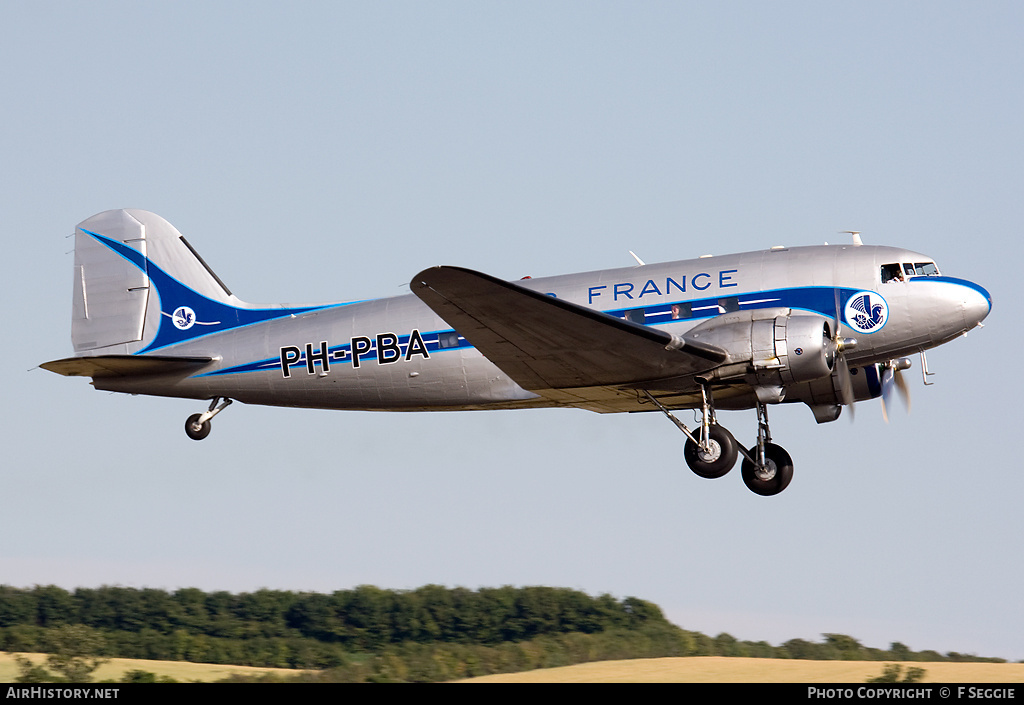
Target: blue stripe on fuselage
point(434, 341)
point(817, 300)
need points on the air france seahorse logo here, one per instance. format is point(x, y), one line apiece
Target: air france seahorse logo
point(184, 318)
point(866, 311)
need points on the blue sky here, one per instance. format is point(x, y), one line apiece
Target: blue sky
point(328, 151)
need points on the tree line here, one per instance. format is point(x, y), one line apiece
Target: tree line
point(368, 633)
point(304, 630)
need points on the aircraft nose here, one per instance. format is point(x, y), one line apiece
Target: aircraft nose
point(977, 304)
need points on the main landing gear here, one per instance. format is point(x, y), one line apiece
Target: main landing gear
point(711, 451)
point(197, 426)
point(767, 468)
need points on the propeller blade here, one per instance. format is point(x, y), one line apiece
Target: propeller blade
point(837, 322)
point(888, 383)
point(903, 389)
point(845, 383)
point(892, 378)
point(842, 367)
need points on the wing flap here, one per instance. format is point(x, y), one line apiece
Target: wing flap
point(542, 342)
point(124, 365)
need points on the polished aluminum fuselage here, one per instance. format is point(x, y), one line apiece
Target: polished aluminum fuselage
point(397, 354)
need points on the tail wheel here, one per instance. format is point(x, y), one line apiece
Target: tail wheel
point(774, 476)
point(717, 459)
point(194, 429)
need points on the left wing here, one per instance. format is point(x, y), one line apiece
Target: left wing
point(542, 342)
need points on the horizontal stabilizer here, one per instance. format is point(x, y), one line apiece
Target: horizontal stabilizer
point(546, 343)
point(125, 365)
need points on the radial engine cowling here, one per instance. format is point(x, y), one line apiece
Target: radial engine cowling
point(780, 350)
point(791, 349)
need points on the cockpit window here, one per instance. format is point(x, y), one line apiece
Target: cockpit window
point(902, 272)
point(891, 273)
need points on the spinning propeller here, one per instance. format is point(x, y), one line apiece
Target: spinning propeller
point(892, 377)
point(842, 368)
point(891, 371)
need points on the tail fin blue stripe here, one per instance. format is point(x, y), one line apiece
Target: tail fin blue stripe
point(187, 314)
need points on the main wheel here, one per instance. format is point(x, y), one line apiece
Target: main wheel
point(195, 430)
point(719, 458)
point(774, 476)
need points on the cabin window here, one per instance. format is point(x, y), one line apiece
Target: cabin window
point(926, 269)
point(448, 340)
point(682, 311)
point(637, 315)
point(729, 305)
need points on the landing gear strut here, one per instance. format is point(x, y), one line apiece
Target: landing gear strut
point(711, 451)
point(767, 468)
point(197, 426)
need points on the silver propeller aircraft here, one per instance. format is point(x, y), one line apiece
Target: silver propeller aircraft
point(827, 326)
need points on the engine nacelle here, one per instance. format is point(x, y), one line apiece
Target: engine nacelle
point(865, 382)
point(779, 349)
point(791, 349)
point(825, 396)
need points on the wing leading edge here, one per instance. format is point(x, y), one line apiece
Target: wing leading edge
point(543, 342)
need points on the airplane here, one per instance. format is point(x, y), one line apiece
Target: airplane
point(826, 326)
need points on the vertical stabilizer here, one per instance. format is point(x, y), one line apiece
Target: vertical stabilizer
point(123, 258)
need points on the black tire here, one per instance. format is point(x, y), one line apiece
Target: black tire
point(190, 427)
point(777, 475)
point(724, 458)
